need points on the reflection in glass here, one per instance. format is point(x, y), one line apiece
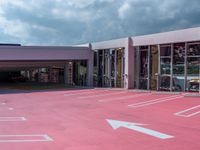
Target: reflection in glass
point(153, 67)
point(165, 50)
point(193, 50)
point(178, 67)
point(95, 70)
point(80, 73)
point(165, 83)
point(110, 67)
point(119, 67)
point(100, 68)
point(144, 64)
point(136, 67)
point(193, 67)
point(106, 67)
point(165, 67)
point(144, 70)
point(143, 84)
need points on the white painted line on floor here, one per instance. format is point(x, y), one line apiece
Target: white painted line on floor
point(82, 93)
point(155, 101)
point(181, 113)
point(123, 98)
point(78, 94)
point(101, 95)
point(74, 92)
point(25, 138)
point(12, 119)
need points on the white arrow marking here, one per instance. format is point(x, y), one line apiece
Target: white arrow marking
point(135, 126)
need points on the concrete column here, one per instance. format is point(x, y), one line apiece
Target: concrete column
point(50, 75)
point(129, 65)
point(66, 73)
point(90, 63)
point(26, 74)
point(31, 76)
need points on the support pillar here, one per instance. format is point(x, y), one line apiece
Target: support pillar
point(90, 63)
point(66, 73)
point(129, 65)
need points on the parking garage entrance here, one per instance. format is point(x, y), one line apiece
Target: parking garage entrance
point(27, 74)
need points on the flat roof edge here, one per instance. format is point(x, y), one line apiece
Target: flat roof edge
point(168, 32)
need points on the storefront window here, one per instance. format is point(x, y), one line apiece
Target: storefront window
point(165, 67)
point(144, 70)
point(110, 67)
point(154, 67)
point(165, 51)
point(193, 67)
point(136, 67)
point(120, 67)
point(95, 72)
point(100, 68)
point(178, 67)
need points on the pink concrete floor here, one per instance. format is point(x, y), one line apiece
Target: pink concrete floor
point(76, 120)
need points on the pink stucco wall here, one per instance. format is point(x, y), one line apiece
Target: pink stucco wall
point(186, 35)
point(43, 53)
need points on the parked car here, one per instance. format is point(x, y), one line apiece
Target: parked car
point(194, 85)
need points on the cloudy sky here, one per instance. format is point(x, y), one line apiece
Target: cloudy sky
point(67, 22)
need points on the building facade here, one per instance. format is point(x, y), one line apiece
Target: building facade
point(46, 64)
point(167, 61)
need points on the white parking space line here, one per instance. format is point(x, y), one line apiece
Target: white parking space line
point(12, 119)
point(77, 91)
point(102, 95)
point(83, 93)
point(155, 101)
point(189, 112)
point(123, 98)
point(25, 138)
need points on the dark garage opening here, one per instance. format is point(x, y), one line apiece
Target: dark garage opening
point(43, 75)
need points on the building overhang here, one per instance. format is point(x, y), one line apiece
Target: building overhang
point(47, 53)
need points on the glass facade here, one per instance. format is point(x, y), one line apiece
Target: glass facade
point(109, 68)
point(193, 66)
point(167, 67)
point(144, 70)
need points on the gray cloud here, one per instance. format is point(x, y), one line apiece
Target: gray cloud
point(63, 22)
